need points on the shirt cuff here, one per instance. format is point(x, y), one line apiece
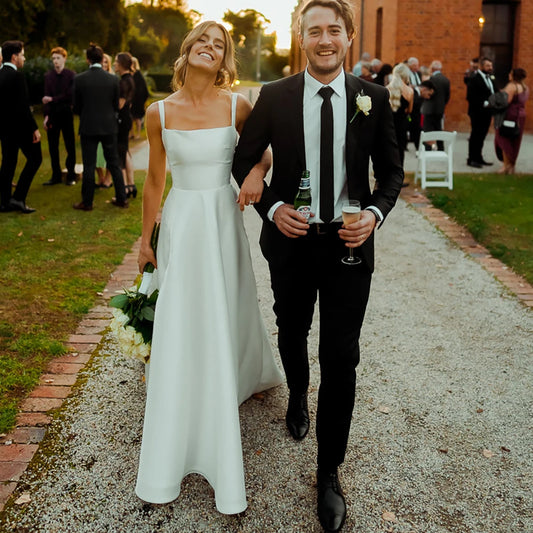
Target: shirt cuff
point(272, 210)
point(377, 212)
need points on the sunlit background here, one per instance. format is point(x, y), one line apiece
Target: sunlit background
point(277, 11)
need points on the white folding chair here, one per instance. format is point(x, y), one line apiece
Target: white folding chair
point(435, 167)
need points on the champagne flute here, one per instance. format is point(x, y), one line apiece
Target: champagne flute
point(351, 212)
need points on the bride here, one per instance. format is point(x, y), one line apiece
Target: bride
point(210, 350)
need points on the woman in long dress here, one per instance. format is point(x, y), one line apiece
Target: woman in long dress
point(210, 350)
point(401, 100)
point(517, 96)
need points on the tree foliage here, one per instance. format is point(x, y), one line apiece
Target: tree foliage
point(73, 24)
point(248, 33)
point(157, 30)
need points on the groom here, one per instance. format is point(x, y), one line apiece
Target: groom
point(311, 128)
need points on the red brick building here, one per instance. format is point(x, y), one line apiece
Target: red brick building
point(452, 31)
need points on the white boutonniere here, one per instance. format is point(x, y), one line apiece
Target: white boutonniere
point(363, 104)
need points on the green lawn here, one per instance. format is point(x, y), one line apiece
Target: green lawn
point(498, 211)
point(52, 265)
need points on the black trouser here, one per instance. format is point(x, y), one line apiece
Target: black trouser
point(62, 122)
point(10, 149)
point(315, 268)
point(480, 126)
point(89, 145)
point(433, 122)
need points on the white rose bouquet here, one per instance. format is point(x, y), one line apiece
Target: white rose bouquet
point(363, 104)
point(133, 316)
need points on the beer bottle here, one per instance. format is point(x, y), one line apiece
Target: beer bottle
point(302, 202)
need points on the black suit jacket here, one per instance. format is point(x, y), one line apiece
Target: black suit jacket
point(476, 94)
point(277, 119)
point(16, 118)
point(96, 95)
point(437, 103)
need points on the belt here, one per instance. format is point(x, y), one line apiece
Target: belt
point(324, 229)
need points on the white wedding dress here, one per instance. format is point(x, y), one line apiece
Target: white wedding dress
point(210, 350)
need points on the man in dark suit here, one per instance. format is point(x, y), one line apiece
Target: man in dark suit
point(433, 109)
point(18, 130)
point(415, 126)
point(293, 116)
point(479, 88)
point(58, 117)
point(96, 94)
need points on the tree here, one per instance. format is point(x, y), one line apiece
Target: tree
point(165, 23)
point(253, 45)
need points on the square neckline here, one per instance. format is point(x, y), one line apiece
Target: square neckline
point(161, 105)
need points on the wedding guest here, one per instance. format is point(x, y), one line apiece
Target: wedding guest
point(375, 65)
point(123, 66)
point(139, 99)
point(58, 117)
point(96, 94)
point(425, 73)
point(415, 125)
point(366, 72)
point(401, 101)
point(383, 77)
point(210, 350)
point(433, 108)
point(365, 58)
point(305, 119)
point(104, 176)
point(18, 130)
point(479, 89)
point(517, 96)
point(471, 71)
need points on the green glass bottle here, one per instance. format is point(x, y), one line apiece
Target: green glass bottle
point(302, 202)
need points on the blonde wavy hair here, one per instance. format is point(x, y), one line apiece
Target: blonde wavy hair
point(228, 71)
point(400, 76)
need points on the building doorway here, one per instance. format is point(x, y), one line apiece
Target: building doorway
point(497, 36)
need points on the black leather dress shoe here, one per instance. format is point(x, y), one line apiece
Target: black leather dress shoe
point(297, 418)
point(486, 163)
point(19, 205)
point(331, 507)
point(474, 164)
point(82, 207)
point(52, 181)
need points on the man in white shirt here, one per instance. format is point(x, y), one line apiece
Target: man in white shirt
point(305, 258)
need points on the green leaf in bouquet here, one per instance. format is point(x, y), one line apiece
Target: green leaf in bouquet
point(119, 301)
point(148, 313)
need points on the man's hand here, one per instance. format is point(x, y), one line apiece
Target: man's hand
point(47, 99)
point(36, 136)
point(290, 222)
point(357, 233)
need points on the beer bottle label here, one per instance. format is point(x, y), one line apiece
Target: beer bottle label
point(305, 211)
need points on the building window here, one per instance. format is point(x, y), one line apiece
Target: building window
point(379, 32)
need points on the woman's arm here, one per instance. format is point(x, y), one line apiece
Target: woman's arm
point(154, 185)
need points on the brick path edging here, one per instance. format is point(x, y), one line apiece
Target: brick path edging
point(515, 283)
point(19, 446)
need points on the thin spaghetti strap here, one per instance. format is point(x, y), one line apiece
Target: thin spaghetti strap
point(234, 97)
point(161, 105)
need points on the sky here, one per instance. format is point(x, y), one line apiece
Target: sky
point(277, 11)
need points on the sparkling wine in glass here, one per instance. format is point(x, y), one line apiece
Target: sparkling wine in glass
point(351, 212)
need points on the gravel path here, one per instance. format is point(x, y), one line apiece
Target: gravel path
point(441, 437)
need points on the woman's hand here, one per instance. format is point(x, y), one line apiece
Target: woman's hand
point(252, 189)
point(146, 255)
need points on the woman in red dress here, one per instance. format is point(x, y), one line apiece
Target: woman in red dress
point(517, 95)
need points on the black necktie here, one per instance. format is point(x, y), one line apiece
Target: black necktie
point(326, 155)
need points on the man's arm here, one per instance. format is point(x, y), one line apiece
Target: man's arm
point(254, 140)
